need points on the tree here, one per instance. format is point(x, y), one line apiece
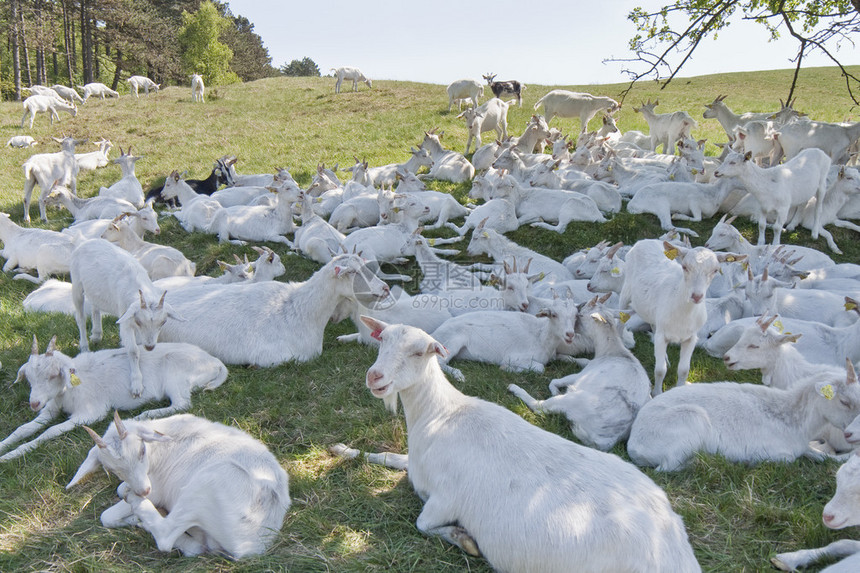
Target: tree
point(202, 52)
point(665, 42)
point(303, 67)
point(251, 59)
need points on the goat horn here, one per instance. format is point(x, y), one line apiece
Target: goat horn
point(96, 438)
point(764, 274)
point(120, 428)
point(238, 260)
point(35, 348)
point(142, 301)
point(766, 322)
point(852, 376)
point(528, 264)
point(52, 346)
point(161, 301)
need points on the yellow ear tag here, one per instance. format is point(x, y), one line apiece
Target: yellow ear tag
point(745, 265)
point(615, 271)
point(485, 234)
point(827, 392)
point(540, 277)
point(777, 324)
point(850, 306)
point(730, 259)
point(803, 276)
point(672, 177)
point(319, 199)
point(396, 210)
point(74, 380)
point(671, 253)
point(431, 242)
point(694, 171)
point(623, 317)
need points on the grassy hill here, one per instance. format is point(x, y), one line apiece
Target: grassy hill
point(352, 516)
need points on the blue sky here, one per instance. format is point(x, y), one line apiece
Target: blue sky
point(444, 40)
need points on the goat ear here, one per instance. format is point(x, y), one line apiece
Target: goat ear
point(148, 435)
point(783, 338)
point(91, 463)
point(437, 348)
point(171, 313)
point(376, 326)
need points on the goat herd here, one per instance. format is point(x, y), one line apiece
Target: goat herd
point(492, 484)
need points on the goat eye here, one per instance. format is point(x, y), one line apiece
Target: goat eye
point(752, 347)
point(845, 402)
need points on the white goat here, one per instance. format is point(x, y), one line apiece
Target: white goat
point(94, 159)
point(316, 238)
point(353, 74)
point(831, 138)
point(258, 222)
point(160, 261)
point(264, 317)
point(725, 236)
point(137, 82)
point(223, 491)
point(45, 169)
point(781, 187)
point(746, 423)
point(448, 165)
point(730, 120)
point(666, 128)
point(603, 399)
point(85, 386)
point(387, 174)
point(98, 89)
point(46, 251)
point(464, 90)
point(490, 116)
point(197, 210)
point(37, 89)
point(774, 353)
point(843, 186)
point(46, 104)
point(840, 512)
point(768, 295)
point(142, 221)
point(563, 103)
point(21, 141)
point(666, 286)
point(497, 214)
point(688, 201)
point(820, 343)
point(437, 274)
point(518, 342)
point(128, 187)
point(97, 207)
point(115, 283)
point(67, 93)
point(198, 89)
point(579, 487)
point(500, 248)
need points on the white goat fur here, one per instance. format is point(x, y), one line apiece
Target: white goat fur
point(594, 498)
point(490, 116)
point(44, 169)
point(602, 400)
point(668, 294)
point(198, 89)
point(137, 82)
point(223, 491)
point(746, 423)
point(46, 104)
point(98, 89)
point(353, 74)
point(781, 187)
point(464, 90)
point(666, 128)
point(160, 261)
point(114, 282)
point(85, 387)
point(266, 317)
point(46, 251)
point(563, 103)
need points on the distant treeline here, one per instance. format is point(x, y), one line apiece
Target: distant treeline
point(74, 42)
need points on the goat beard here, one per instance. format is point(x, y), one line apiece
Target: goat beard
point(390, 402)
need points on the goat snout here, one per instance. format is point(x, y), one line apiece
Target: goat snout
point(727, 360)
point(144, 492)
point(828, 519)
point(149, 346)
point(850, 438)
point(524, 306)
point(590, 288)
point(697, 297)
point(374, 382)
point(34, 405)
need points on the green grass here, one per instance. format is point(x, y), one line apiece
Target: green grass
point(349, 516)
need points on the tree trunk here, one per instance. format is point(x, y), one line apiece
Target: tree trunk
point(26, 53)
point(94, 39)
point(118, 71)
point(16, 56)
point(86, 44)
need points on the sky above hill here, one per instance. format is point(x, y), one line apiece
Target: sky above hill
point(545, 43)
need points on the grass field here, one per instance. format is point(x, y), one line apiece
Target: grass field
point(350, 516)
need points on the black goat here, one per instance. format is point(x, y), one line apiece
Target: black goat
point(510, 87)
point(220, 176)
